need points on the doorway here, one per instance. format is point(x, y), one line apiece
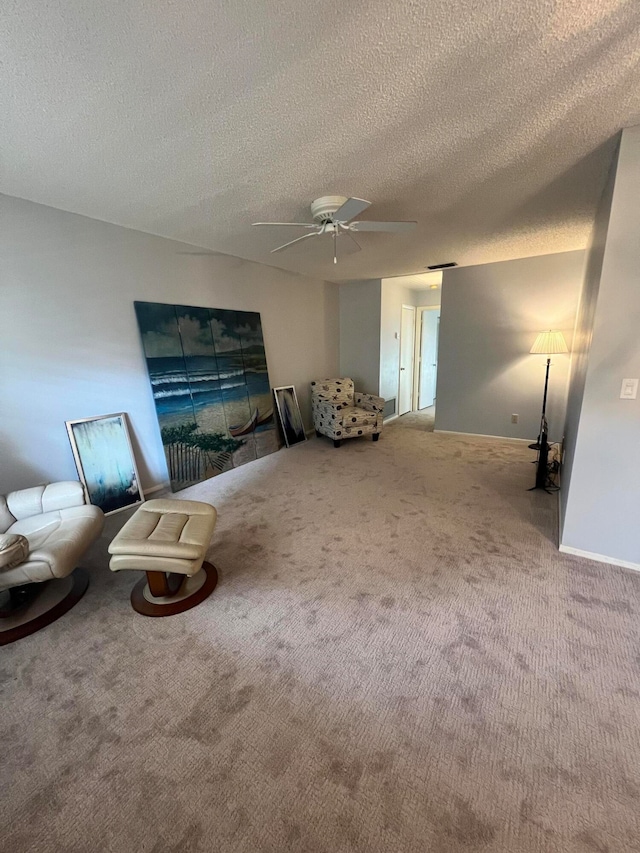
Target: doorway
point(428, 321)
point(407, 346)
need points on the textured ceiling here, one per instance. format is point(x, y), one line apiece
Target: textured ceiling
point(491, 122)
point(419, 282)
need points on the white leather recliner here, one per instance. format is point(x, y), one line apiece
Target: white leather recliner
point(44, 531)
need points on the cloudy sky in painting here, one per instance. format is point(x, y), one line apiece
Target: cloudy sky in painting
point(159, 329)
point(195, 331)
point(223, 337)
point(197, 327)
point(249, 328)
point(233, 329)
point(249, 336)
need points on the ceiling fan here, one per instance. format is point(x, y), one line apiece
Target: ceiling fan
point(334, 215)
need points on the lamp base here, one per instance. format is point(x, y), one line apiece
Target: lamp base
point(542, 469)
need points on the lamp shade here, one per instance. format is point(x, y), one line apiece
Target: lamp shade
point(549, 343)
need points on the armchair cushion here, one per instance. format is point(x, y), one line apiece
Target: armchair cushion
point(353, 417)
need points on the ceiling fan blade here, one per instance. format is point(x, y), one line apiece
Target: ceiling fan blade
point(199, 253)
point(351, 249)
point(352, 207)
point(297, 240)
point(396, 227)
point(290, 224)
point(343, 247)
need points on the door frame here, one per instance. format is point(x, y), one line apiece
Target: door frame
point(417, 359)
point(411, 395)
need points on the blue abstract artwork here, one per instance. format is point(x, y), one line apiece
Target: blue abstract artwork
point(105, 463)
point(210, 384)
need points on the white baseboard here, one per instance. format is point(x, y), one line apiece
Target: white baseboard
point(600, 558)
point(484, 435)
point(157, 488)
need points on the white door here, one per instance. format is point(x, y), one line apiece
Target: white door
point(407, 343)
point(428, 357)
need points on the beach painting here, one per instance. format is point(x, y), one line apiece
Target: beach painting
point(289, 414)
point(210, 385)
point(104, 458)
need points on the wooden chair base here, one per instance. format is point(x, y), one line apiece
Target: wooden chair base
point(166, 588)
point(63, 594)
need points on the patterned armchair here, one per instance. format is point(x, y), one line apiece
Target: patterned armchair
point(341, 412)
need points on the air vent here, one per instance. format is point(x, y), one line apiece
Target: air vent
point(389, 408)
point(443, 266)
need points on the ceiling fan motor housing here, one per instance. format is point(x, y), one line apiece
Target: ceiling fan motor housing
point(322, 209)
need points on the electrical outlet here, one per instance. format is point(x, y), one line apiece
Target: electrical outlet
point(515, 419)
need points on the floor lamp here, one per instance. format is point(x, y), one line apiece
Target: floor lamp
point(547, 343)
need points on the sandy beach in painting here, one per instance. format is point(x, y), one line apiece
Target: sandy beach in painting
point(260, 442)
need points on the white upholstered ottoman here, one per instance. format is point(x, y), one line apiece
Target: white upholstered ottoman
point(168, 540)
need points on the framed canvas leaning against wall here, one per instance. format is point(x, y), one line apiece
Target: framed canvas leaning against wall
point(104, 458)
point(289, 415)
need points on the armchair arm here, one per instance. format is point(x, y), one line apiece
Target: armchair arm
point(27, 502)
point(14, 549)
point(370, 402)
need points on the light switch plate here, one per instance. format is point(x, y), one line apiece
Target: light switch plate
point(629, 389)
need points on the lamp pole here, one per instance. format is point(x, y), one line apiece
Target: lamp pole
point(543, 423)
point(547, 343)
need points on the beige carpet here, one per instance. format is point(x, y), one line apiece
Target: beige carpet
point(396, 659)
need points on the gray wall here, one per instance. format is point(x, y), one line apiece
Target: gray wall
point(583, 332)
point(602, 503)
point(360, 334)
point(393, 296)
point(370, 315)
point(490, 316)
point(70, 341)
point(425, 297)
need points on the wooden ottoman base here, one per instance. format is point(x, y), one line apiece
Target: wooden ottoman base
point(161, 594)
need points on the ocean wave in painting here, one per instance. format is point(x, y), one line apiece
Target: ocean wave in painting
point(181, 376)
point(181, 391)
